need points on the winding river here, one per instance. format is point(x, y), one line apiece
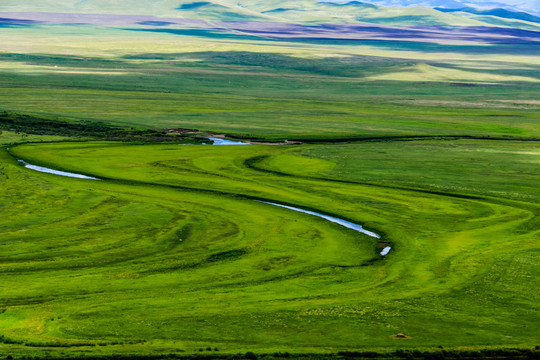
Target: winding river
point(56, 172)
point(336, 220)
point(342, 222)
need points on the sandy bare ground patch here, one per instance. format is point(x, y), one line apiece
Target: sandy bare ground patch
point(524, 102)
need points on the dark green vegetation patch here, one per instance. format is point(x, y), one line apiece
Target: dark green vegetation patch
point(28, 124)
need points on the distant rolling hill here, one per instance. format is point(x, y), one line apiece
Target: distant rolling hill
point(528, 6)
point(500, 13)
point(302, 11)
point(284, 19)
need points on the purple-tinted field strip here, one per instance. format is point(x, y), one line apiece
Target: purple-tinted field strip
point(100, 19)
point(276, 30)
point(360, 31)
point(20, 21)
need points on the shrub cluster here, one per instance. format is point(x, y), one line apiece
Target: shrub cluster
point(29, 124)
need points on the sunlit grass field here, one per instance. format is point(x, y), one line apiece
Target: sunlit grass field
point(174, 253)
point(10, 137)
point(170, 252)
point(270, 89)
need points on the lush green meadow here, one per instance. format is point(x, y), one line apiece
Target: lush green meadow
point(170, 253)
point(260, 88)
point(10, 137)
point(432, 145)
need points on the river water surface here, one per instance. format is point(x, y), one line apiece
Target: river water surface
point(219, 141)
point(56, 172)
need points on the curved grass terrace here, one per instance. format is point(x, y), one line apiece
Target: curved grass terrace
point(168, 254)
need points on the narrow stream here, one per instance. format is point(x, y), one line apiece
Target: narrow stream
point(219, 141)
point(342, 222)
point(345, 223)
point(55, 172)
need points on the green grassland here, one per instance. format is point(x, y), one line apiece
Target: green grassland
point(10, 137)
point(278, 104)
point(506, 169)
point(263, 88)
point(170, 253)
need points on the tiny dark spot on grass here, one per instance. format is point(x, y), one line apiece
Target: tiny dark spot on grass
point(227, 255)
